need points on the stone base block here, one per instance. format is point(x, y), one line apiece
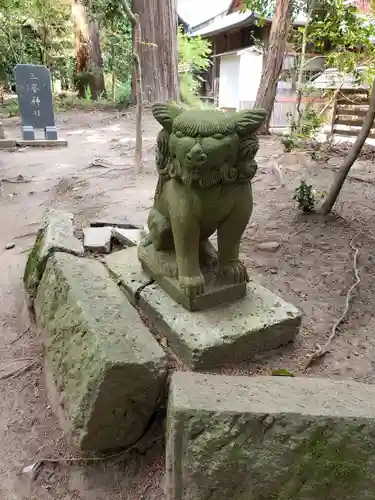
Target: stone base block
point(7, 143)
point(269, 438)
point(57, 234)
point(42, 143)
point(214, 293)
point(108, 370)
point(227, 334)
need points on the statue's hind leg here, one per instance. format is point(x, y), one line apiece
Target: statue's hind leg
point(160, 231)
point(207, 254)
point(158, 259)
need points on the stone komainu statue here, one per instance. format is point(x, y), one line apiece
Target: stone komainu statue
point(205, 162)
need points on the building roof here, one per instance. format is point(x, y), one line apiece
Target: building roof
point(196, 12)
point(236, 20)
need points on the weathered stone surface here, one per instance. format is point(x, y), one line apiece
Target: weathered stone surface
point(126, 269)
point(214, 294)
point(7, 143)
point(227, 334)
point(57, 235)
point(273, 438)
point(97, 239)
point(270, 246)
point(128, 237)
point(108, 369)
point(42, 143)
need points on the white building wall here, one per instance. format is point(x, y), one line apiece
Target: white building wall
point(229, 81)
point(249, 78)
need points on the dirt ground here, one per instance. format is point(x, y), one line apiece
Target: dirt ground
point(95, 177)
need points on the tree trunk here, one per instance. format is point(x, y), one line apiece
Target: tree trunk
point(351, 157)
point(89, 56)
point(158, 50)
point(274, 59)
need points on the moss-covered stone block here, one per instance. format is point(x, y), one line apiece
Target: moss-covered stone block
point(273, 438)
point(108, 371)
point(228, 334)
point(56, 235)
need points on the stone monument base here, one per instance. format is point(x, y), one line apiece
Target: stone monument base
point(226, 335)
point(214, 293)
point(7, 143)
point(43, 143)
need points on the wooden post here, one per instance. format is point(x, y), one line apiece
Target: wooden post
point(334, 113)
point(137, 40)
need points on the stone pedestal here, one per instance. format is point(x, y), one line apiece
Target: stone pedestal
point(214, 293)
point(227, 334)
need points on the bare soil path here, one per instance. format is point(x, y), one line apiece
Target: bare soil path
point(95, 177)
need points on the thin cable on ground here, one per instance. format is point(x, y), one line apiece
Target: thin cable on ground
point(322, 351)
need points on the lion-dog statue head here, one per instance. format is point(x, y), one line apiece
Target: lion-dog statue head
point(206, 147)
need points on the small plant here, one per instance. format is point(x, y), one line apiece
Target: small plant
point(307, 124)
point(306, 196)
point(289, 142)
point(310, 122)
point(12, 108)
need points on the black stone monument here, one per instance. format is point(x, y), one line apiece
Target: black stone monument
point(34, 92)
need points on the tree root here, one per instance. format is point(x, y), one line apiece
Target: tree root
point(18, 371)
point(37, 467)
point(322, 351)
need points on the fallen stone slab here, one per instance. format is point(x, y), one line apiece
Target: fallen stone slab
point(269, 438)
point(57, 235)
point(227, 334)
point(108, 371)
point(122, 223)
point(97, 239)
point(127, 237)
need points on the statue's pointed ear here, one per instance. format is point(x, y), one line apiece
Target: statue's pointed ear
point(165, 113)
point(249, 121)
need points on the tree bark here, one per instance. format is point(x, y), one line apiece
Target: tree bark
point(89, 56)
point(351, 157)
point(274, 58)
point(158, 49)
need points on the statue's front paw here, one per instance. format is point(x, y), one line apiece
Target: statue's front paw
point(233, 273)
point(192, 286)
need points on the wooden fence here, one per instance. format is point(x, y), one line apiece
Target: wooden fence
point(349, 110)
point(285, 107)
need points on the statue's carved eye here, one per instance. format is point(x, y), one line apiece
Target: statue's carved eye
point(179, 134)
point(218, 137)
